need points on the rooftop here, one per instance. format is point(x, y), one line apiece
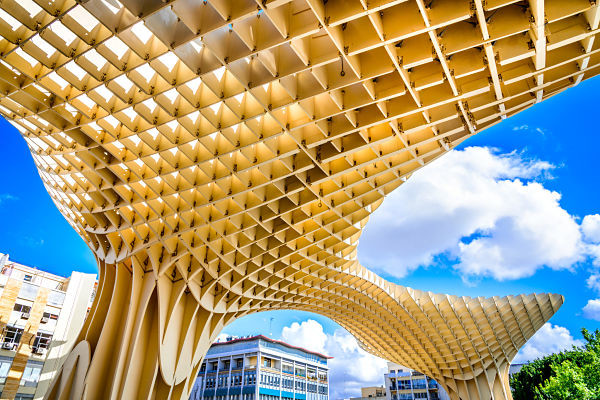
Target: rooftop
point(33, 275)
point(262, 337)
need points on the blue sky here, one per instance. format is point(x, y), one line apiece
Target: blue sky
point(551, 145)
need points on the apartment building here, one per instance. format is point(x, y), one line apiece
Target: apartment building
point(403, 383)
point(260, 368)
point(41, 315)
point(371, 393)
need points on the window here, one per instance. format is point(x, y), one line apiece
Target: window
point(287, 369)
point(28, 278)
point(236, 380)
point(4, 367)
point(250, 379)
point(266, 362)
point(419, 384)
point(300, 386)
point(56, 298)
point(210, 382)
point(269, 379)
point(223, 380)
point(31, 375)
point(41, 342)
point(239, 363)
point(12, 336)
point(404, 384)
point(21, 308)
point(48, 316)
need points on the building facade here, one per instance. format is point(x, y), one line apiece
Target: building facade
point(260, 368)
point(403, 383)
point(371, 393)
point(41, 315)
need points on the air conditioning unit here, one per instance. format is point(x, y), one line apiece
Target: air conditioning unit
point(39, 350)
point(25, 315)
point(44, 320)
point(8, 345)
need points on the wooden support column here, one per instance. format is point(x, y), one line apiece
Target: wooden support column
point(222, 158)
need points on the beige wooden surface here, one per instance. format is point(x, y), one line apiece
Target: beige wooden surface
point(221, 158)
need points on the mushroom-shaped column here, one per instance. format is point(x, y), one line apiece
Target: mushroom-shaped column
point(222, 157)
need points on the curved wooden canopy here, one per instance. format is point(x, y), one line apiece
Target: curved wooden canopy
point(221, 157)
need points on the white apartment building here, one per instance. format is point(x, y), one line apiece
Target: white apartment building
point(403, 383)
point(41, 315)
point(260, 368)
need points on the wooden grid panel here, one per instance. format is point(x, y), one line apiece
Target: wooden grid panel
point(233, 150)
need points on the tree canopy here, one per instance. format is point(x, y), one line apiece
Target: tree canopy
point(571, 374)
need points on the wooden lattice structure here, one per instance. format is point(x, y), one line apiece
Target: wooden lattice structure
point(221, 157)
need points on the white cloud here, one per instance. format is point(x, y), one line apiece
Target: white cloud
point(549, 339)
point(590, 226)
point(309, 334)
point(480, 208)
point(527, 128)
point(7, 197)
point(351, 367)
point(592, 309)
point(223, 337)
point(593, 282)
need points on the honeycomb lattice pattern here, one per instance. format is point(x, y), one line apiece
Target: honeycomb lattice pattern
point(221, 157)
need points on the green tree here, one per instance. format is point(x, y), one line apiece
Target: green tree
point(573, 374)
point(568, 382)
